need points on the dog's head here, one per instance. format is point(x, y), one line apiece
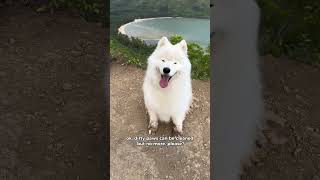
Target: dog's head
point(170, 60)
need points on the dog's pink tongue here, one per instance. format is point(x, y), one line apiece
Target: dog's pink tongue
point(164, 81)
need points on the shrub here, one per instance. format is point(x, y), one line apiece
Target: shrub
point(91, 10)
point(291, 28)
point(199, 58)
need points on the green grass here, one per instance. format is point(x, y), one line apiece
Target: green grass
point(127, 54)
point(136, 52)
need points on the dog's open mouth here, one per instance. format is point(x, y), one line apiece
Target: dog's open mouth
point(165, 80)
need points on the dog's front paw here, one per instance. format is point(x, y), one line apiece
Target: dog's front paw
point(152, 129)
point(177, 131)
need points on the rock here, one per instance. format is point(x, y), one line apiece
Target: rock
point(286, 89)
point(59, 146)
point(297, 151)
point(76, 53)
point(261, 141)
point(195, 99)
point(270, 116)
point(276, 138)
point(311, 129)
point(20, 50)
point(12, 41)
point(197, 165)
point(67, 86)
point(255, 161)
point(314, 132)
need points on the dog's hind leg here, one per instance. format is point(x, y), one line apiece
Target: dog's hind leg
point(153, 122)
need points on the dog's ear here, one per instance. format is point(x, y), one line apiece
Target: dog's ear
point(163, 41)
point(184, 46)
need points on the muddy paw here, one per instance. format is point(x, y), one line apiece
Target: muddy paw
point(176, 132)
point(152, 130)
point(189, 111)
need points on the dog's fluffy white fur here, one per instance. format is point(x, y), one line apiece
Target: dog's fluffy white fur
point(168, 98)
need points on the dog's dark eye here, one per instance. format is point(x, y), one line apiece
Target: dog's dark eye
point(162, 60)
point(175, 63)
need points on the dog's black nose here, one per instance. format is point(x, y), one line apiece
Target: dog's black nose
point(166, 70)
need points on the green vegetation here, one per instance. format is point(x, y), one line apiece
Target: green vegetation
point(137, 52)
point(91, 10)
point(199, 57)
point(123, 11)
point(291, 28)
point(130, 50)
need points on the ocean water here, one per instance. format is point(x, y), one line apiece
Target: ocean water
point(152, 29)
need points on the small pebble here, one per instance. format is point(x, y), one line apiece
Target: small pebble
point(12, 40)
point(67, 86)
point(277, 139)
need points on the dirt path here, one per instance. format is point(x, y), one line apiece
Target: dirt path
point(289, 147)
point(128, 119)
point(51, 105)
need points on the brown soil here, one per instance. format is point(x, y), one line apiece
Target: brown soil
point(51, 105)
point(290, 146)
point(129, 119)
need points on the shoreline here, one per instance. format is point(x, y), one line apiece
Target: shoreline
point(151, 41)
point(121, 29)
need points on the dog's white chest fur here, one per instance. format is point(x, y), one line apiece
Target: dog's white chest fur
point(170, 101)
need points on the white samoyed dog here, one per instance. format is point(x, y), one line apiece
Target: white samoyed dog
point(167, 85)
